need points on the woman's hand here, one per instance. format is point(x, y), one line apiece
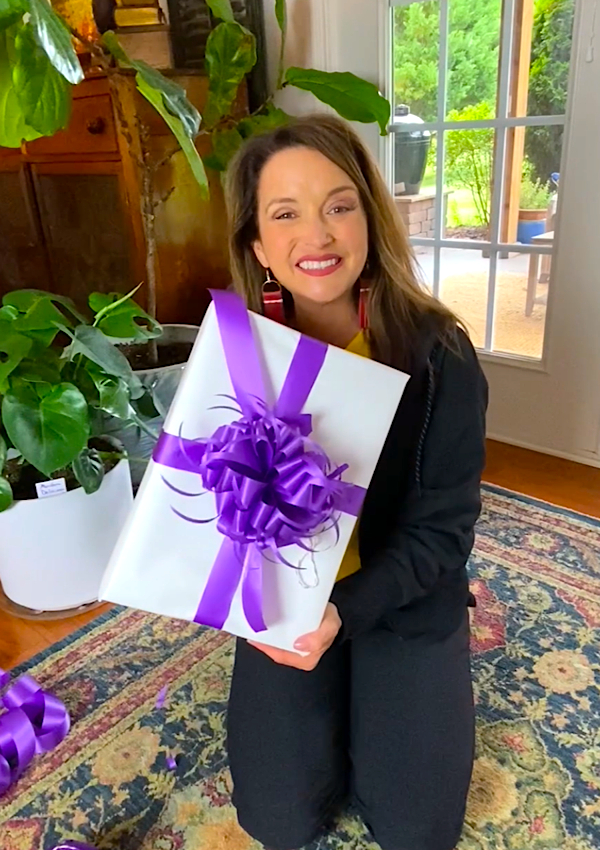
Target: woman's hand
point(315, 645)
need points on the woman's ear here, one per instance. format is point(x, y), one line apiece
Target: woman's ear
point(260, 254)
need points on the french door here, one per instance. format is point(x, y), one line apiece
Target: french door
point(509, 91)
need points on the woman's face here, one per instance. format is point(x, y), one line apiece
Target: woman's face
point(312, 226)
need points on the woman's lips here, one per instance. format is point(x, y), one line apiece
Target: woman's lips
point(319, 267)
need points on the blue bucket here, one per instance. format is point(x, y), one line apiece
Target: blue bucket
point(526, 230)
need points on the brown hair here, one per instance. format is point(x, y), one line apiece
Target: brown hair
point(397, 301)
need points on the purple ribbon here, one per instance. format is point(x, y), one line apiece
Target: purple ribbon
point(74, 845)
point(274, 486)
point(34, 722)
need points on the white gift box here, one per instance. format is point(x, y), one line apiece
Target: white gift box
point(162, 563)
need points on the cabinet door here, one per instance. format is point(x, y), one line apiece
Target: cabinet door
point(86, 228)
point(23, 257)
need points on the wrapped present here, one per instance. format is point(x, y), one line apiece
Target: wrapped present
point(257, 480)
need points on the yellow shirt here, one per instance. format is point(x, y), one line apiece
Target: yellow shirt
point(351, 561)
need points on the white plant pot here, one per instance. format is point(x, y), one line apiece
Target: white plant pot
point(53, 551)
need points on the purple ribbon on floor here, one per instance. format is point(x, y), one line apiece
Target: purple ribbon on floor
point(274, 486)
point(34, 722)
point(74, 845)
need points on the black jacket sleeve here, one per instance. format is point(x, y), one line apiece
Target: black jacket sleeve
point(434, 531)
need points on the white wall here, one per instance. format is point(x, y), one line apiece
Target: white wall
point(555, 408)
point(330, 35)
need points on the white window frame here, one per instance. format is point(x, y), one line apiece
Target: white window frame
point(501, 124)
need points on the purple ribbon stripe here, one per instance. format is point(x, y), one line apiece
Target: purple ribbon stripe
point(33, 722)
point(74, 845)
point(273, 486)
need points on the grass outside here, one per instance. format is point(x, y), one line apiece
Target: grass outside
point(461, 209)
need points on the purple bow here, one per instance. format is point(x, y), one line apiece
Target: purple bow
point(34, 722)
point(274, 486)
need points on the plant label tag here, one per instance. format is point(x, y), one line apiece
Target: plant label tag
point(56, 487)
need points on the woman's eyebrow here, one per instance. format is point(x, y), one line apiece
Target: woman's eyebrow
point(335, 191)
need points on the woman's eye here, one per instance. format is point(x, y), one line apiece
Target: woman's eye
point(341, 208)
point(284, 216)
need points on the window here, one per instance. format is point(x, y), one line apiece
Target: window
point(480, 90)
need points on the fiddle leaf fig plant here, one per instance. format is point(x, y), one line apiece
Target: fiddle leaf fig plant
point(39, 66)
point(59, 372)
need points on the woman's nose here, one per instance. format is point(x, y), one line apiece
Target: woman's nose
point(317, 232)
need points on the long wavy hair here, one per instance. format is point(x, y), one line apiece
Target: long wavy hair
point(397, 301)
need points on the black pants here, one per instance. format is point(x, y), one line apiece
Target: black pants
point(386, 722)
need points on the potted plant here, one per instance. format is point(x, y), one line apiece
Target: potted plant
point(38, 68)
point(534, 203)
point(65, 489)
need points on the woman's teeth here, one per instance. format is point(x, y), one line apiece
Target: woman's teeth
point(318, 264)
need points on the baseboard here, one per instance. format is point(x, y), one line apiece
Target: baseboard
point(588, 460)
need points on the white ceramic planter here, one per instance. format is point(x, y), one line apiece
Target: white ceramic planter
point(53, 551)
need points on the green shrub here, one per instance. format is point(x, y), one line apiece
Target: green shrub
point(470, 157)
point(535, 194)
point(549, 71)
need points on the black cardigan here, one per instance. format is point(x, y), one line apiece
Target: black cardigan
point(417, 527)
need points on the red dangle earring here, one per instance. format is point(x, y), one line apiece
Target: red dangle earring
point(363, 307)
point(272, 298)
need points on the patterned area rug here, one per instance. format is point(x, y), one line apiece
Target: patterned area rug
point(536, 785)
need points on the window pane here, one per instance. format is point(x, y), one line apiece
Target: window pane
point(416, 57)
point(468, 173)
point(414, 189)
point(531, 177)
point(425, 261)
point(519, 327)
point(551, 43)
point(473, 48)
point(464, 277)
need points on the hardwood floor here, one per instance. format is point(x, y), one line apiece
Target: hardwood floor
point(561, 482)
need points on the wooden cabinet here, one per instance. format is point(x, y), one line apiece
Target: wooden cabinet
point(70, 207)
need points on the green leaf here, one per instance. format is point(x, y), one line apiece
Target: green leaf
point(53, 36)
point(49, 432)
point(13, 127)
point(91, 343)
point(88, 467)
point(3, 450)
point(39, 316)
point(118, 316)
point(113, 395)
point(353, 98)
point(8, 314)
point(25, 299)
point(230, 55)
point(221, 9)
point(11, 11)
point(6, 494)
point(173, 95)
point(187, 145)
point(44, 94)
point(281, 15)
point(13, 348)
point(44, 370)
point(263, 122)
point(102, 303)
point(225, 144)
point(112, 44)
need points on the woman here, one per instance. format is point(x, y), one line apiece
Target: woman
point(378, 708)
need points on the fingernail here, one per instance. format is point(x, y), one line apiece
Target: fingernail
point(300, 644)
